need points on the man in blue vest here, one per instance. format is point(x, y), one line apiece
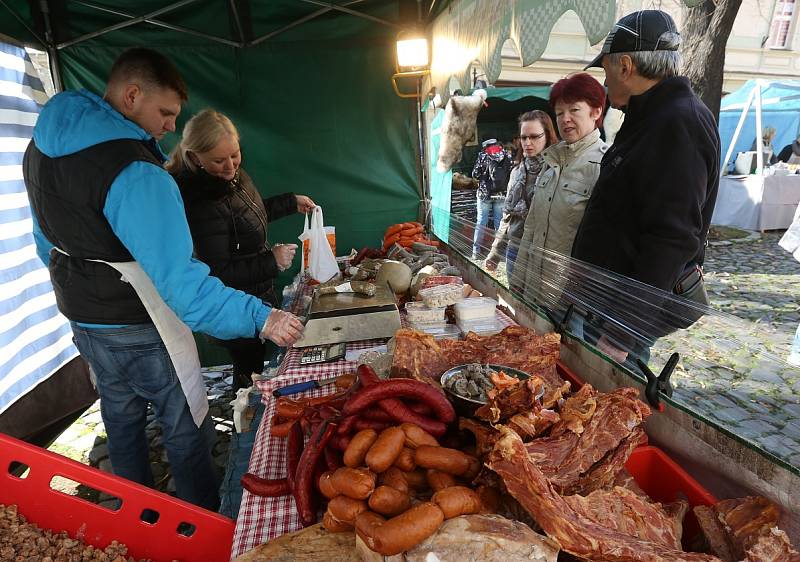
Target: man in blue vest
point(109, 223)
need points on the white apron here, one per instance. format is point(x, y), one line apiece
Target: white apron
point(176, 335)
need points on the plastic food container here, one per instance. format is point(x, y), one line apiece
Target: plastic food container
point(442, 295)
point(182, 531)
point(439, 331)
point(434, 280)
point(482, 327)
point(475, 308)
point(420, 312)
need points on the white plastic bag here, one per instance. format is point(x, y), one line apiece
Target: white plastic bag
point(321, 264)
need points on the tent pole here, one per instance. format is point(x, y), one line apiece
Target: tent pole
point(22, 22)
point(759, 132)
point(425, 183)
point(301, 21)
point(124, 24)
point(738, 130)
point(52, 52)
point(237, 21)
point(340, 8)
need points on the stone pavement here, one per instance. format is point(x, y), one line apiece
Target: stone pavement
point(730, 374)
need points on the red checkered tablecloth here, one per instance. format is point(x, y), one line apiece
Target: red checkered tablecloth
point(262, 519)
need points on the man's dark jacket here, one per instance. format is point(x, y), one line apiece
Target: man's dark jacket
point(649, 214)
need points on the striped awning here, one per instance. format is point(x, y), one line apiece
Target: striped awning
point(35, 339)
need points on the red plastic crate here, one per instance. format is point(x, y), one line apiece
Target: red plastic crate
point(566, 373)
point(97, 525)
point(665, 482)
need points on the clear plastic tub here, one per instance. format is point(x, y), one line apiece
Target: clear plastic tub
point(482, 327)
point(475, 308)
point(440, 331)
point(420, 312)
point(442, 295)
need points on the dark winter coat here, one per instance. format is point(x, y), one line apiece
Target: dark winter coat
point(650, 211)
point(228, 220)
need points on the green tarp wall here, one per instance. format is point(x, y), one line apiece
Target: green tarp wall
point(314, 105)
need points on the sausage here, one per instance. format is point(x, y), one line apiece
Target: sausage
point(438, 480)
point(278, 427)
point(388, 501)
point(395, 408)
point(294, 448)
point(345, 381)
point(346, 426)
point(346, 509)
point(419, 408)
point(416, 479)
point(362, 424)
point(258, 486)
point(386, 449)
point(326, 486)
point(490, 499)
point(447, 460)
point(334, 525)
point(405, 460)
point(397, 388)
point(358, 447)
point(333, 458)
point(377, 414)
point(356, 483)
point(304, 479)
point(287, 408)
point(399, 533)
point(416, 436)
point(457, 500)
point(393, 477)
point(340, 442)
point(474, 469)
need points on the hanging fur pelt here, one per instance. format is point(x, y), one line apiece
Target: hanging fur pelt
point(458, 126)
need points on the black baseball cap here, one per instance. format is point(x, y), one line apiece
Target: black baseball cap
point(645, 30)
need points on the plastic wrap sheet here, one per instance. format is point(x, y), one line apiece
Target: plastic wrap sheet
point(726, 375)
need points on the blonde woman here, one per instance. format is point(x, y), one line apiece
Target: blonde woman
point(228, 219)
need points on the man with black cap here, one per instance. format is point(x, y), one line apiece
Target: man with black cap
point(650, 211)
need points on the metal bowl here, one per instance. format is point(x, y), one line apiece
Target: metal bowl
point(466, 406)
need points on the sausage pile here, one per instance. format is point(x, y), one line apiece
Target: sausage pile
point(372, 453)
point(398, 486)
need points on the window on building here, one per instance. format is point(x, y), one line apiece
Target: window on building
point(781, 28)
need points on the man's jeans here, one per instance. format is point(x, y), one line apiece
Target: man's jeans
point(133, 369)
point(492, 207)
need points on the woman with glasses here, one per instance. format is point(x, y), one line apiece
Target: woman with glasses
point(536, 134)
point(562, 188)
point(228, 219)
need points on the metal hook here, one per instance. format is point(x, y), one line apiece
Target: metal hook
point(657, 385)
point(559, 326)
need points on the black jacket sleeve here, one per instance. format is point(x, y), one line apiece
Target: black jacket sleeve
point(240, 273)
point(280, 206)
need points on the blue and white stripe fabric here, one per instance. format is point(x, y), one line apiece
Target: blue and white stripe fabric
point(35, 339)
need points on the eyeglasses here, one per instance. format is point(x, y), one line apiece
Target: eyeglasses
point(531, 138)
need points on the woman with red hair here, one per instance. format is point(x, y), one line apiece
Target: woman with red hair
point(562, 188)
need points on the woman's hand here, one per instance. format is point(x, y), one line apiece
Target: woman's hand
point(304, 204)
point(284, 254)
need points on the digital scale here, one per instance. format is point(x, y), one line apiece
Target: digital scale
point(345, 317)
point(322, 353)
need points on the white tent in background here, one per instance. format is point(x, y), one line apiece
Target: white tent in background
point(758, 104)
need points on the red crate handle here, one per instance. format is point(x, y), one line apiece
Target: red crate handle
point(97, 525)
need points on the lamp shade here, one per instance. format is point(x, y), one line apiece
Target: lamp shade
point(412, 53)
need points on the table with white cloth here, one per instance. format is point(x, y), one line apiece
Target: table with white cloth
point(756, 202)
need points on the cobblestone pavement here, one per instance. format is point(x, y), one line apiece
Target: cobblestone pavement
point(724, 378)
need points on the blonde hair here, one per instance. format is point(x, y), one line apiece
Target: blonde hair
point(200, 134)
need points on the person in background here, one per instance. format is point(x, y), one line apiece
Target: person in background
point(650, 211)
point(228, 220)
point(536, 134)
point(492, 170)
point(109, 223)
point(789, 153)
point(564, 185)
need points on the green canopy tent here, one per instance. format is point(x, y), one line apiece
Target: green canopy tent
point(307, 84)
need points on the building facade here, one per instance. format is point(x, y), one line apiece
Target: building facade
point(764, 43)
